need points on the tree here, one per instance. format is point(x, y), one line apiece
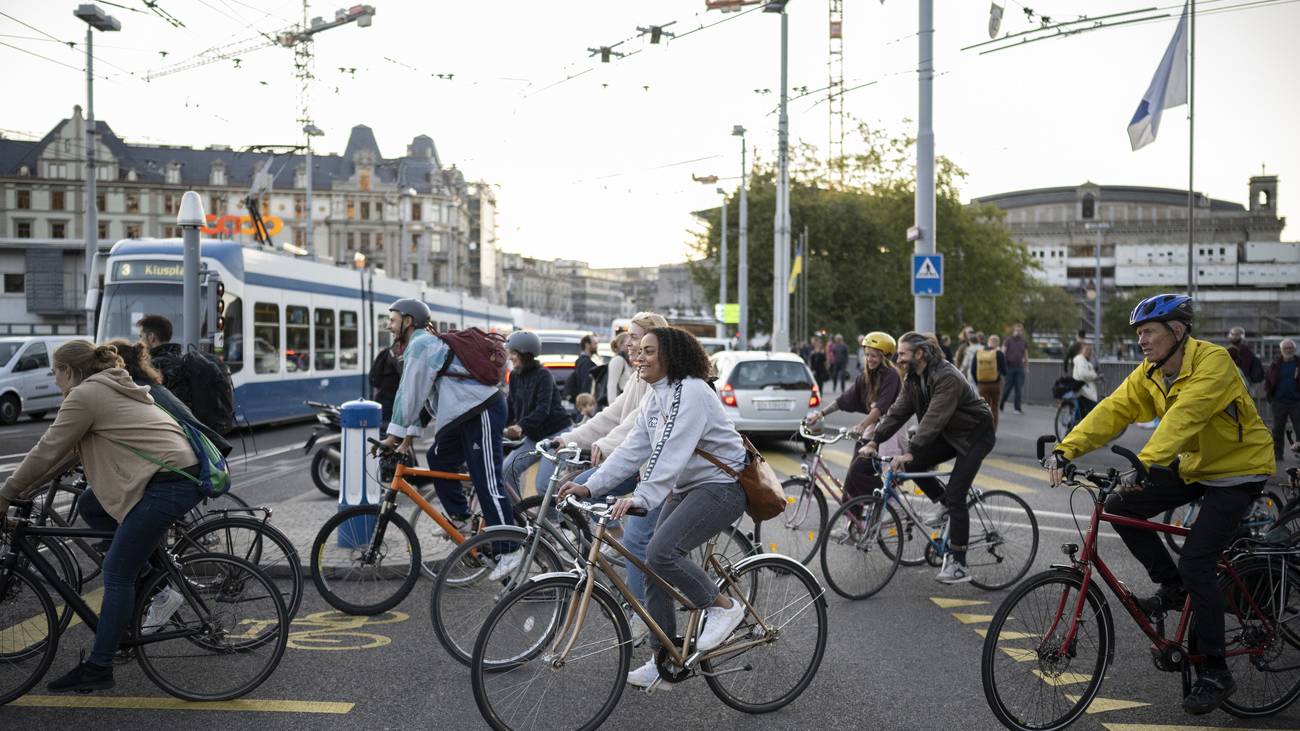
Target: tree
point(1048, 311)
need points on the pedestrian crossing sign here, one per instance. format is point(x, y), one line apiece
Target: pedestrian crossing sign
point(927, 275)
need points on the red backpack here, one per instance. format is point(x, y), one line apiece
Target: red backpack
point(483, 354)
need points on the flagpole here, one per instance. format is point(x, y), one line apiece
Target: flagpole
point(1191, 148)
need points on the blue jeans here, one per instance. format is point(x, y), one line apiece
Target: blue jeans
point(475, 443)
point(518, 462)
point(164, 502)
point(1015, 381)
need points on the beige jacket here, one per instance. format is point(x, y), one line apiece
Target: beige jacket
point(97, 417)
point(611, 426)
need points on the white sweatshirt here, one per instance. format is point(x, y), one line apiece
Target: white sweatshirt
point(673, 420)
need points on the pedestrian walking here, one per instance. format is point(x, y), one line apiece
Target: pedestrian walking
point(817, 362)
point(839, 363)
point(620, 369)
point(1084, 372)
point(973, 346)
point(945, 344)
point(1249, 363)
point(1017, 358)
point(988, 368)
point(1282, 384)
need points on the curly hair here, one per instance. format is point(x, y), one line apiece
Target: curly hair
point(682, 354)
point(136, 361)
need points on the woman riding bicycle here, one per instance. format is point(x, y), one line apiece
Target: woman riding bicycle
point(107, 421)
point(1218, 450)
point(872, 393)
point(679, 417)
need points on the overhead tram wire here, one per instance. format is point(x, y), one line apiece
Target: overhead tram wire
point(47, 58)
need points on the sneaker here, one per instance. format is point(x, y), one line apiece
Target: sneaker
point(506, 565)
point(462, 523)
point(953, 572)
point(84, 678)
point(841, 532)
point(646, 675)
point(161, 608)
point(939, 517)
point(719, 623)
point(1020, 412)
point(1209, 691)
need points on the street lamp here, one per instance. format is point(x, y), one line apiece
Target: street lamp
point(311, 131)
point(781, 228)
point(720, 329)
point(95, 19)
point(742, 257)
point(1101, 227)
point(403, 213)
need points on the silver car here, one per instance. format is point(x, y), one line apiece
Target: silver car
point(765, 393)
point(26, 380)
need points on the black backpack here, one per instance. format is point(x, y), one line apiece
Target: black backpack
point(202, 382)
point(600, 383)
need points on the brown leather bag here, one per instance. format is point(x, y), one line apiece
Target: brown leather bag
point(764, 498)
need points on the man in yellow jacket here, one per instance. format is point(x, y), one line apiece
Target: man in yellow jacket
point(1219, 450)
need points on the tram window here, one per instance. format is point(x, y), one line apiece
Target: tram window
point(325, 350)
point(297, 338)
point(383, 338)
point(266, 337)
point(234, 333)
point(347, 339)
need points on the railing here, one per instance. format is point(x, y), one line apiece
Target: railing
point(1044, 372)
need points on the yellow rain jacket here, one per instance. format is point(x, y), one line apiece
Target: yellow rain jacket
point(1196, 424)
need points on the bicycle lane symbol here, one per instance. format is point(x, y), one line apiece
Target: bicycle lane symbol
point(332, 631)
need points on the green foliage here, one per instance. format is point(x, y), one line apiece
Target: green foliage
point(1115, 313)
point(859, 263)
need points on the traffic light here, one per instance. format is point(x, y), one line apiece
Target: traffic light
point(220, 307)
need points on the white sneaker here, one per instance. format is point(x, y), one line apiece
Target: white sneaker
point(938, 518)
point(506, 565)
point(953, 572)
point(646, 675)
point(840, 533)
point(719, 623)
point(161, 608)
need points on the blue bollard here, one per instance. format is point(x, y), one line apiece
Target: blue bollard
point(358, 470)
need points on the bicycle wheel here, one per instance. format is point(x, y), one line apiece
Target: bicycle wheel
point(367, 565)
point(60, 557)
point(29, 637)
point(915, 535)
point(1029, 682)
point(1267, 666)
point(213, 507)
point(224, 649)
point(572, 522)
point(518, 647)
point(787, 621)
point(257, 542)
point(464, 593)
point(1182, 516)
point(861, 562)
point(798, 531)
point(1064, 420)
point(1003, 539)
point(435, 543)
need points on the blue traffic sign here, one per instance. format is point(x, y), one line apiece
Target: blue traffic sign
point(927, 275)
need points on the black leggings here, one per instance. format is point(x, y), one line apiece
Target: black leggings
point(861, 479)
point(964, 469)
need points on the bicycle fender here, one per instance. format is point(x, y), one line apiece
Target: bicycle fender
point(577, 576)
point(789, 563)
point(513, 530)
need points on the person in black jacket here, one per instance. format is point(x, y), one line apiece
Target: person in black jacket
point(536, 412)
point(385, 377)
point(136, 361)
point(581, 381)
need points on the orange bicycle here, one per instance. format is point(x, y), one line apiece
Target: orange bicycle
point(359, 565)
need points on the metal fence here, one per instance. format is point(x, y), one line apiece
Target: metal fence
point(1044, 372)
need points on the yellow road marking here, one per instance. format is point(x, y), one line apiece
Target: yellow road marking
point(984, 482)
point(1063, 678)
point(1008, 635)
point(176, 704)
point(1102, 705)
point(950, 603)
point(1020, 654)
point(783, 464)
point(839, 458)
point(972, 618)
point(1035, 473)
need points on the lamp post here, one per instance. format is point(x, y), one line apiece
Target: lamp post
point(1101, 227)
point(311, 131)
point(780, 342)
point(95, 19)
point(742, 243)
point(924, 305)
point(403, 213)
point(720, 330)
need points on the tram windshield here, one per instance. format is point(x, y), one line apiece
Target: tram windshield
point(125, 303)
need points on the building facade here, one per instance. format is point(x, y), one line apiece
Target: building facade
point(409, 216)
point(1245, 274)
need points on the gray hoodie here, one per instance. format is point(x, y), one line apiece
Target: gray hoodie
point(673, 420)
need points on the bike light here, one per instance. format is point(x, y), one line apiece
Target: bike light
point(815, 399)
point(728, 395)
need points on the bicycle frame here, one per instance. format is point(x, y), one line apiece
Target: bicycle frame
point(400, 485)
point(891, 494)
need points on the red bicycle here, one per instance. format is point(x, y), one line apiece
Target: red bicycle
point(1051, 641)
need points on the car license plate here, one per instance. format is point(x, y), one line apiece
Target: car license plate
point(773, 404)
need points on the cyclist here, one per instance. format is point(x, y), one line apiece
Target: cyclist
point(1217, 449)
point(954, 423)
point(469, 416)
point(107, 421)
point(680, 416)
point(872, 393)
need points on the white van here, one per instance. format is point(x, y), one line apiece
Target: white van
point(26, 379)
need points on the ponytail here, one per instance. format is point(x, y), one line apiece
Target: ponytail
point(85, 359)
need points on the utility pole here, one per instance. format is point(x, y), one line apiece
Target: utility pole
point(781, 230)
point(190, 217)
point(1101, 227)
point(742, 256)
point(95, 19)
point(720, 330)
point(923, 307)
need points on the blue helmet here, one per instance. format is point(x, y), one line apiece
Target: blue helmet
point(1162, 308)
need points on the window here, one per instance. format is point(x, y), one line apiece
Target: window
point(379, 209)
point(417, 210)
point(365, 210)
point(173, 173)
point(234, 333)
point(297, 339)
point(363, 179)
point(266, 338)
point(352, 209)
point(57, 200)
point(14, 284)
point(218, 176)
point(379, 241)
point(770, 375)
point(169, 203)
point(23, 229)
point(300, 238)
point(216, 204)
point(58, 230)
point(103, 229)
point(171, 232)
point(300, 206)
point(24, 199)
point(325, 354)
point(365, 240)
point(347, 340)
point(101, 203)
point(133, 230)
point(415, 243)
point(36, 356)
point(352, 241)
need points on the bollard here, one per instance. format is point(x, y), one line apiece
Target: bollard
point(358, 469)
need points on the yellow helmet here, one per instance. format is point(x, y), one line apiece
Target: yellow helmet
point(884, 342)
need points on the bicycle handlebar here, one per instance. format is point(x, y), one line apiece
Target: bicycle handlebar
point(820, 436)
point(600, 511)
point(555, 453)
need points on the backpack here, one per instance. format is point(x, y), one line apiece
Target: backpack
point(1065, 387)
point(483, 354)
point(600, 383)
point(986, 366)
point(214, 473)
point(202, 382)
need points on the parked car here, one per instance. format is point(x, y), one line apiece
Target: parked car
point(715, 345)
point(763, 392)
point(560, 349)
point(26, 379)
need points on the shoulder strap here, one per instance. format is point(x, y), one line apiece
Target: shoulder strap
point(718, 463)
point(150, 458)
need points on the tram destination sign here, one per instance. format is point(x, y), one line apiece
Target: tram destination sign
point(144, 269)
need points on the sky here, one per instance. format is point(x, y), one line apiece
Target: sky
point(599, 167)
